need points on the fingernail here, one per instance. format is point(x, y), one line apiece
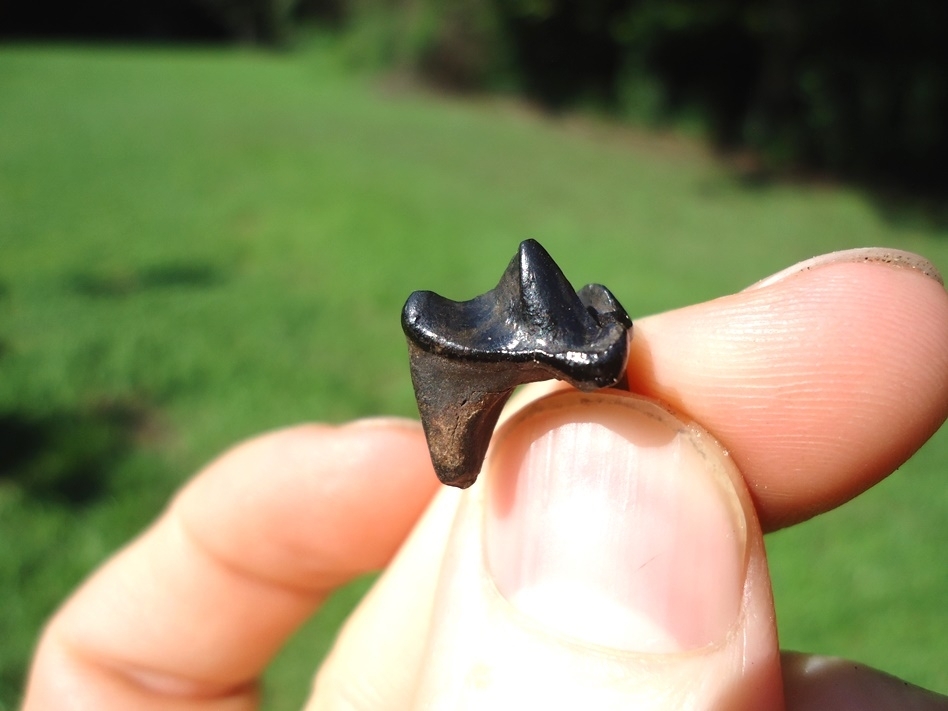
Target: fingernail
point(879, 255)
point(613, 522)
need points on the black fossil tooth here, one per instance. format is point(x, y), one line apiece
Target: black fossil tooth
point(467, 357)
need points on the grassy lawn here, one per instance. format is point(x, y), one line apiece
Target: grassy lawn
point(199, 245)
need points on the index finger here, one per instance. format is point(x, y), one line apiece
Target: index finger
point(820, 382)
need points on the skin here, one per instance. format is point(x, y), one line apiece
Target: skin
point(187, 615)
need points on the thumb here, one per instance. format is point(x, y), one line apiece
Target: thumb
point(608, 557)
point(611, 558)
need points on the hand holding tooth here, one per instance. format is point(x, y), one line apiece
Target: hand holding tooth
point(609, 557)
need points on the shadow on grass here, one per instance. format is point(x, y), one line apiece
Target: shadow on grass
point(69, 457)
point(171, 275)
point(12, 680)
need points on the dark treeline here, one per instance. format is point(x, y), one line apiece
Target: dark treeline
point(266, 22)
point(858, 88)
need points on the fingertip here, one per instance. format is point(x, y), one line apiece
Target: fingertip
point(819, 384)
point(313, 505)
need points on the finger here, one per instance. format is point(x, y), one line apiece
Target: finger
point(815, 683)
point(819, 383)
point(188, 615)
point(609, 557)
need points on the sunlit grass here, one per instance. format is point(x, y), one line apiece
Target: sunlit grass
point(199, 245)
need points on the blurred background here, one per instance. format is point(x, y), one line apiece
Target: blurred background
point(211, 212)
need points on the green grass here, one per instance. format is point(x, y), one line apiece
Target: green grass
point(199, 245)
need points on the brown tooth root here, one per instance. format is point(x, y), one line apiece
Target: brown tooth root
point(467, 357)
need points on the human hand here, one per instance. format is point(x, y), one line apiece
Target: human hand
point(559, 580)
